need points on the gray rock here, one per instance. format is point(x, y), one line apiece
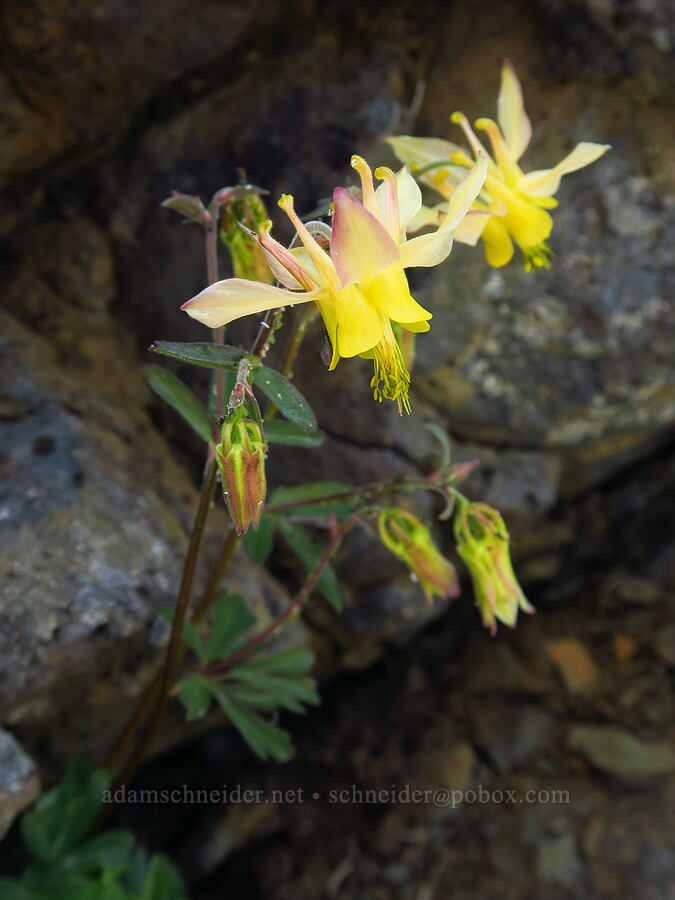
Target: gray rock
point(19, 780)
point(510, 734)
point(621, 754)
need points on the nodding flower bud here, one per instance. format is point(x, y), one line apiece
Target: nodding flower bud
point(483, 544)
point(241, 460)
point(248, 258)
point(410, 540)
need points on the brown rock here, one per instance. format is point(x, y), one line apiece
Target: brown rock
point(574, 663)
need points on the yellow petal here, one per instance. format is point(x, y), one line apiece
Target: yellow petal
point(428, 215)
point(509, 167)
point(511, 113)
point(545, 182)
point(227, 300)
point(387, 202)
point(358, 323)
point(431, 249)
point(498, 244)
point(367, 190)
point(360, 246)
point(409, 198)
point(471, 227)
point(417, 327)
point(327, 311)
point(390, 293)
point(528, 223)
point(323, 264)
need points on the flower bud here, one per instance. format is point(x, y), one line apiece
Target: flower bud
point(483, 544)
point(410, 540)
point(241, 460)
point(248, 258)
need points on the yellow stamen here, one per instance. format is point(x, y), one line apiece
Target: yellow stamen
point(391, 378)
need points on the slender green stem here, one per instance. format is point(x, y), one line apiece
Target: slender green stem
point(336, 536)
point(429, 167)
point(175, 636)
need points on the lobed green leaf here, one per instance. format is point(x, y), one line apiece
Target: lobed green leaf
point(286, 397)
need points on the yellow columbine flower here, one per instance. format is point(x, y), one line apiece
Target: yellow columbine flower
point(512, 205)
point(361, 287)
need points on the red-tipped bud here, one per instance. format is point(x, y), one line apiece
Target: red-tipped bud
point(241, 460)
point(483, 544)
point(410, 540)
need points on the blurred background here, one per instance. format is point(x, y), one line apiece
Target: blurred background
point(561, 382)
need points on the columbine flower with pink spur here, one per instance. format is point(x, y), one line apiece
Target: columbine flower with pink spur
point(360, 286)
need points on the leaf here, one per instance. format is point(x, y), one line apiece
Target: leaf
point(195, 695)
point(296, 660)
point(309, 554)
point(258, 544)
point(188, 206)
point(210, 356)
point(286, 397)
point(162, 881)
point(278, 432)
point(190, 634)
point(63, 815)
point(111, 849)
point(338, 508)
point(232, 619)
point(265, 739)
point(178, 395)
point(287, 691)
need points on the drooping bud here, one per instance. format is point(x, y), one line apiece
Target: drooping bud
point(483, 544)
point(410, 540)
point(248, 258)
point(241, 460)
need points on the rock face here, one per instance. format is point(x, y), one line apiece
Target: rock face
point(558, 380)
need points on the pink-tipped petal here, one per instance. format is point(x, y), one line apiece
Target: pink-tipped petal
point(360, 246)
point(284, 265)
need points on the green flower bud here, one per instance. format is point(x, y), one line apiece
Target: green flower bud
point(483, 544)
point(410, 540)
point(248, 258)
point(241, 461)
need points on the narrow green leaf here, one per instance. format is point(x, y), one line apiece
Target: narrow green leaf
point(232, 619)
point(180, 397)
point(309, 554)
point(296, 660)
point(288, 691)
point(338, 508)
point(251, 696)
point(265, 739)
point(286, 397)
point(195, 695)
point(258, 544)
point(210, 356)
point(280, 432)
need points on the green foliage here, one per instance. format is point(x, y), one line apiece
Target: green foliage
point(340, 508)
point(286, 397)
point(210, 356)
point(68, 867)
point(258, 544)
point(178, 395)
point(279, 432)
point(309, 553)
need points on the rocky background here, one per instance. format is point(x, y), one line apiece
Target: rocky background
point(561, 382)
